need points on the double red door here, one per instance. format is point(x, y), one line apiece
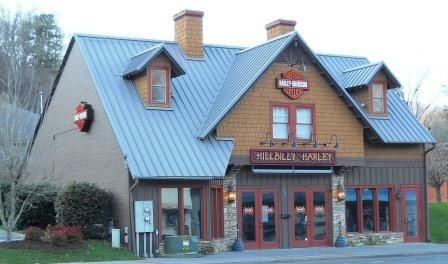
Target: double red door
point(259, 219)
point(309, 217)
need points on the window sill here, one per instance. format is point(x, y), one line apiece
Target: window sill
point(163, 108)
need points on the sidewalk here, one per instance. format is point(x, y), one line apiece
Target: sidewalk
point(300, 254)
point(15, 236)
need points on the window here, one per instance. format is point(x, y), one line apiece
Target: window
point(304, 123)
point(217, 211)
point(181, 212)
point(369, 209)
point(378, 96)
point(158, 86)
point(280, 122)
point(294, 120)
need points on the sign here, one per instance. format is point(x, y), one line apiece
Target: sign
point(83, 117)
point(292, 84)
point(299, 157)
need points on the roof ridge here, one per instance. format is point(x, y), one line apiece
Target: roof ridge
point(269, 41)
point(87, 35)
point(363, 66)
point(148, 49)
point(340, 55)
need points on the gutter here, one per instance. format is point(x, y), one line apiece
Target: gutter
point(425, 190)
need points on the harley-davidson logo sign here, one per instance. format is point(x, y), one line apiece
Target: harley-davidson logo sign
point(292, 84)
point(83, 116)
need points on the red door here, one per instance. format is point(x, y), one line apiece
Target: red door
point(258, 215)
point(309, 221)
point(411, 213)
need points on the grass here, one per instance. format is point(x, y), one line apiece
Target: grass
point(96, 251)
point(438, 222)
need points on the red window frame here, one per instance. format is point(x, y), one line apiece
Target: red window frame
point(292, 120)
point(167, 85)
point(376, 216)
point(384, 110)
point(180, 186)
point(217, 211)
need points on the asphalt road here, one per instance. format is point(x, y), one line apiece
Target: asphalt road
point(432, 259)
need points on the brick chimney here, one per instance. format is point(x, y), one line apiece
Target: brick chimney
point(188, 32)
point(280, 27)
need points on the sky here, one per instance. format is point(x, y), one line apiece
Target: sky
point(411, 37)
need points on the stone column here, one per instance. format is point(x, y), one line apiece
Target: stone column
point(338, 208)
point(230, 210)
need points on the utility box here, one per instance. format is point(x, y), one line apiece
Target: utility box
point(144, 216)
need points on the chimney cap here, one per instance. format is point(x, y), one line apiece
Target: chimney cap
point(188, 12)
point(281, 22)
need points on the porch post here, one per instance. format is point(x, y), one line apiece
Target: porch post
point(338, 207)
point(230, 209)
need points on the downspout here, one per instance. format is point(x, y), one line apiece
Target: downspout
point(425, 191)
point(131, 209)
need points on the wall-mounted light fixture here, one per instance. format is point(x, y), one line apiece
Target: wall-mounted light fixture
point(398, 195)
point(231, 192)
point(340, 192)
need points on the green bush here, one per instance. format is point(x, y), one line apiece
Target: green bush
point(86, 205)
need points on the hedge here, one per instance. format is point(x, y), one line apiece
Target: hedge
point(86, 205)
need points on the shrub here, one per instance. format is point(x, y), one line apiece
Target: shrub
point(34, 233)
point(60, 235)
point(86, 205)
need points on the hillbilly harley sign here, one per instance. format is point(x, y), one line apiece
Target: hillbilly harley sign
point(315, 157)
point(83, 116)
point(292, 84)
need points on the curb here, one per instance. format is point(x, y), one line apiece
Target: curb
point(315, 259)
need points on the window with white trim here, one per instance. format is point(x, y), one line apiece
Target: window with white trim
point(378, 98)
point(280, 122)
point(158, 86)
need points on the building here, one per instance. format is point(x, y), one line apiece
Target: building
point(279, 142)
point(432, 193)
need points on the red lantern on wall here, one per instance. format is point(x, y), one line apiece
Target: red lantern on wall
point(83, 116)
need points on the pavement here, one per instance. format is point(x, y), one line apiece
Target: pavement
point(364, 254)
point(15, 236)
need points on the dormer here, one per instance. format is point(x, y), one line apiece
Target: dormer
point(151, 72)
point(369, 84)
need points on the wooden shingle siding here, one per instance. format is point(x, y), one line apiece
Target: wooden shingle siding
point(62, 152)
point(394, 151)
point(249, 121)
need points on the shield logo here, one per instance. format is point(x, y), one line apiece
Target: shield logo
point(292, 84)
point(83, 116)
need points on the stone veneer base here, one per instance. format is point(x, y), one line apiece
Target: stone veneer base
point(364, 239)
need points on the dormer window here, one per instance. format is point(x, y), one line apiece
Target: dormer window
point(159, 89)
point(378, 95)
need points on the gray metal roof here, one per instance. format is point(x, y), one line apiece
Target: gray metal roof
point(22, 123)
point(178, 142)
point(245, 70)
point(139, 62)
point(400, 126)
point(160, 144)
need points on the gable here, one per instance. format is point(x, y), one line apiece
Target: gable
point(249, 121)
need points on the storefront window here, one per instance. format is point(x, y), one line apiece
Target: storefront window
point(384, 209)
point(351, 210)
point(192, 211)
point(368, 209)
point(181, 212)
point(170, 212)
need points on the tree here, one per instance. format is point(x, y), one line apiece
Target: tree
point(22, 61)
point(438, 168)
point(35, 42)
point(412, 95)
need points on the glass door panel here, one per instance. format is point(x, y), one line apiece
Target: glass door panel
point(248, 217)
point(268, 212)
point(411, 214)
point(319, 216)
point(300, 216)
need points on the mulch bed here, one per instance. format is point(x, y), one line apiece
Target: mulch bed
point(44, 246)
